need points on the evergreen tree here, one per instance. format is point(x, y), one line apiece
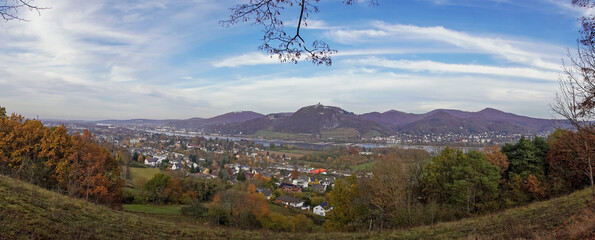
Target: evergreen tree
point(241, 176)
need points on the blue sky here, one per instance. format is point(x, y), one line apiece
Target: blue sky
point(172, 59)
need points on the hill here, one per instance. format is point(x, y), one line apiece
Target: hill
point(316, 119)
point(329, 122)
point(457, 121)
point(228, 118)
point(31, 212)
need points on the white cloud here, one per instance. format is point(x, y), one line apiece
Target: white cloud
point(253, 58)
point(509, 50)
point(438, 67)
point(97, 60)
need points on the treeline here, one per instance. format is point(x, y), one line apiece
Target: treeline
point(49, 157)
point(455, 184)
point(337, 158)
point(218, 201)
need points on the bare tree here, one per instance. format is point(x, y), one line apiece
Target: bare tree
point(288, 47)
point(575, 99)
point(10, 9)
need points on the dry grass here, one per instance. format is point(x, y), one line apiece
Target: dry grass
point(28, 212)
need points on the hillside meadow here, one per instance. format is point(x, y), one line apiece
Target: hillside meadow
point(30, 212)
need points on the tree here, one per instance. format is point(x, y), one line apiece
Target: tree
point(223, 174)
point(567, 160)
point(241, 176)
point(347, 210)
point(527, 157)
point(575, 99)
point(9, 10)
point(389, 187)
point(238, 208)
point(93, 173)
point(466, 181)
point(496, 157)
point(276, 40)
point(155, 188)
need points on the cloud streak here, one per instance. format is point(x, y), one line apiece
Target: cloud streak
point(438, 67)
point(499, 47)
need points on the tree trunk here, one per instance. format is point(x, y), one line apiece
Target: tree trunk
point(590, 168)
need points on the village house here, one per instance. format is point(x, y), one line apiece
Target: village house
point(302, 181)
point(151, 162)
point(322, 209)
point(288, 187)
point(177, 166)
point(290, 201)
point(267, 193)
point(319, 188)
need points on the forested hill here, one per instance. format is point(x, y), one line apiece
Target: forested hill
point(318, 119)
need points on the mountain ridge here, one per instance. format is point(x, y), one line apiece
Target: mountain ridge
point(319, 119)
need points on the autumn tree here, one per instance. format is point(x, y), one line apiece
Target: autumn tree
point(348, 210)
point(93, 173)
point(391, 188)
point(50, 158)
point(56, 147)
point(156, 186)
point(277, 41)
point(568, 160)
point(575, 99)
point(238, 209)
point(496, 157)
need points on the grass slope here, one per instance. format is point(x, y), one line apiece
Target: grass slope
point(142, 173)
point(154, 209)
point(28, 212)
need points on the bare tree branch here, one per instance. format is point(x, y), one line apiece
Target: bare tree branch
point(9, 10)
point(276, 41)
point(575, 99)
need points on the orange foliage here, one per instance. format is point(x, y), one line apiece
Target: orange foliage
point(496, 157)
point(93, 172)
point(51, 158)
point(534, 186)
point(174, 191)
point(251, 188)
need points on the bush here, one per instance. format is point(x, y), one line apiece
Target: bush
point(194, 209)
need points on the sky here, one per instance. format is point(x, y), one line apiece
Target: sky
point(93, 60)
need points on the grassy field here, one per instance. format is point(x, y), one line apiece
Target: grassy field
point(339, 134)
point(288, 153)
point(137, 174)
point(153, 209)
point(268, 134)
point(366, 167)
point(28, 212)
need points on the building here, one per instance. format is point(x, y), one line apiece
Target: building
point(290, 201)
point(288, 187)
point(322, 209)
point(267, 193)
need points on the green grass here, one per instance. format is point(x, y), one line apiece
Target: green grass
point(154, 209)
point(29, 212)
point(371, 134)
point(137, 174)
point(283, 210)
point(339, 134)
point(366, 167)
point(268, 134)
